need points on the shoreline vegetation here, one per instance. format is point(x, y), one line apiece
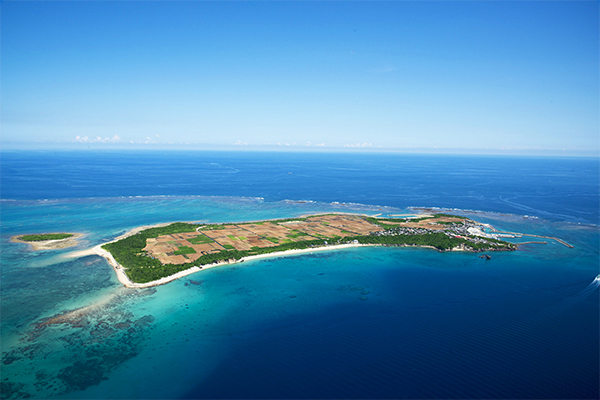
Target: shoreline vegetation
point(48, 241)
point(155, 255)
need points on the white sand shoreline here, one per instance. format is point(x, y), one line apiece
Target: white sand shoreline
point(122, 277)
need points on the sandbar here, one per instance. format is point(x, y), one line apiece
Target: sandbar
point(49, 244)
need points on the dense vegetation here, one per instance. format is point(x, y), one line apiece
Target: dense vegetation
point(139, 267)
point(440, 215)
point(45, 236)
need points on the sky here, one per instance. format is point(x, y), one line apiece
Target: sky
point(499, 77)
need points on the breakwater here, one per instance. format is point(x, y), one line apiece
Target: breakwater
point(540, 236)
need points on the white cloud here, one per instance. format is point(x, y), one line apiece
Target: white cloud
point(240, 143)
point(97, 139)
point(358, 144)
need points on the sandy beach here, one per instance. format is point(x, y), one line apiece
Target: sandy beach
point(122, 277)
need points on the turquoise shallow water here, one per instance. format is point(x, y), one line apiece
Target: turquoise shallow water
point(362, 322)
point(355, 323)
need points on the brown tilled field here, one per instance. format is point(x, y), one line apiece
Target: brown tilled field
point(349, 223)
point(279, 231)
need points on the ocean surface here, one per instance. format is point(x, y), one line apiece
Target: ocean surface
point(367, 322)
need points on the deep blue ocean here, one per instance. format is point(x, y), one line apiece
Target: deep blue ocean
point(367, 322)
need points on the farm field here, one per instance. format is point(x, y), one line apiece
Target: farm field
point(254, 235)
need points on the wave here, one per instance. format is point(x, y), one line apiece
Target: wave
point(384, 209)
point(546, 213)
point(569, 302)
point(470, 211)
point(149, 197)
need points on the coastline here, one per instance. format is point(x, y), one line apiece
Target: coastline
point(124, 279)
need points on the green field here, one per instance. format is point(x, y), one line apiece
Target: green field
point(184, 250)
point(200, 240)
point(296, 234)
point(231, 237)
point(45, 236)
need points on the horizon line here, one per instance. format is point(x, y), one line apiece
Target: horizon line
point(71, 146)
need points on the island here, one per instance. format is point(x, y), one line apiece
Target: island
point(160, 254)
point(48, 241)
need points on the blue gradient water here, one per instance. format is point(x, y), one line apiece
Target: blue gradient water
point(357, 323)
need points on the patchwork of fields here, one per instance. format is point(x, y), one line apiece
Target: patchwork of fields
point(180, 248)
